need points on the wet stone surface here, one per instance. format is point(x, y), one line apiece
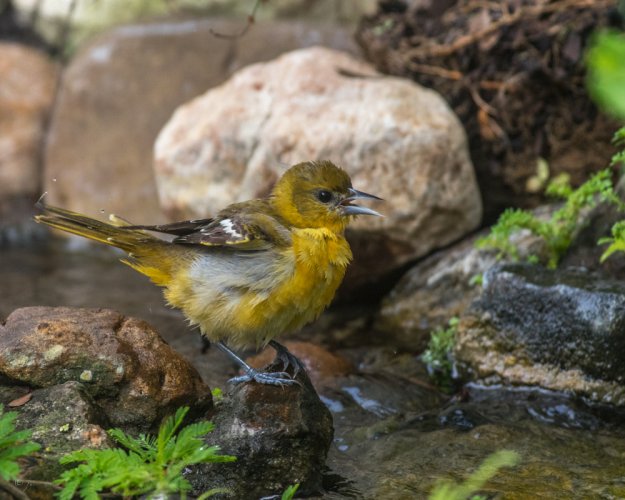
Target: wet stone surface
point(569, 318)
point(562, 330)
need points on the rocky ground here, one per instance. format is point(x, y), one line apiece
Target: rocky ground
point(161, 118)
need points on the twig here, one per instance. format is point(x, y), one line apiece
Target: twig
point(348, 73)
point(33, 482)
point(439, 50)
point(63, 36)
point(13, 490)
point(481, 103)
point(251, 19)
point(449, 74)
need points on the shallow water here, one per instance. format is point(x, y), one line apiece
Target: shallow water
point(394, 434)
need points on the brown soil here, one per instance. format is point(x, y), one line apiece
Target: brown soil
point(514, 73)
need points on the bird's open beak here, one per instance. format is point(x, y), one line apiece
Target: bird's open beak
point(349, 209)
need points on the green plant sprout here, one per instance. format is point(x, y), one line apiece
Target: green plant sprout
point(437, 356)
point(152, 466)
point(13, 445)
point(476, 280)
point(619, 141)
point(616, 241)
point(289, 493)
point(557, 232)
point(218, 395)
point(449, 490)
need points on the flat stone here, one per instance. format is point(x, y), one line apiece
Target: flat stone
point(321, 365)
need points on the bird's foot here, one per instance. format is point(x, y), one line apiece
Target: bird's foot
point(269, 378)
point(283, 355)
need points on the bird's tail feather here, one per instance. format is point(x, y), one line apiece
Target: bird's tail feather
point(148, 255)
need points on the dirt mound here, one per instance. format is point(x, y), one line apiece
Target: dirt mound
point(514, 73)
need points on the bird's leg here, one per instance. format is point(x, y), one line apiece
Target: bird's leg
point(251, 374)
point(288, 359)
point(206, 344)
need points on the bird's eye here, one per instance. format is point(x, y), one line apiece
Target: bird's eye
point(324, 196)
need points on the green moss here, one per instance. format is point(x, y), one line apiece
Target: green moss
point(559, 230)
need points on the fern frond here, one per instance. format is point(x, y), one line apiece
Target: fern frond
point(150, 466)
point(13, 445)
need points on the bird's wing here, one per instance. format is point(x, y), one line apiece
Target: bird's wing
point(240, 230)
point(246, 226)
point(181, 228)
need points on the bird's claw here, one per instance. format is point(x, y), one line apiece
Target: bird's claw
point(269, 378)
point(283, 355)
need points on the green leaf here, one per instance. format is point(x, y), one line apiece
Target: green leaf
point(606, 71)
point(449, 490)
point(13, 445)
point(289, 493)
point(213, 491)
point(616, 242)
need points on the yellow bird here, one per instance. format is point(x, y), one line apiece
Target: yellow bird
point(254, 271)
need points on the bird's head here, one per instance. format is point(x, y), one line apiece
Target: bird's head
point(318, 194)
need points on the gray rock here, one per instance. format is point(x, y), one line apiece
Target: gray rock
point(562, 330)
point(439, 288)
point(63, 418)
point(280, 436)
point(88, 18)
point(430, 294)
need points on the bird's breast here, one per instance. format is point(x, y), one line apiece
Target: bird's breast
point(251, 297)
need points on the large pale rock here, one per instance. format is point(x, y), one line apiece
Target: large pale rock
point(120, 90)
point(131, 373)
point(396, 139)
point(27, 87)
